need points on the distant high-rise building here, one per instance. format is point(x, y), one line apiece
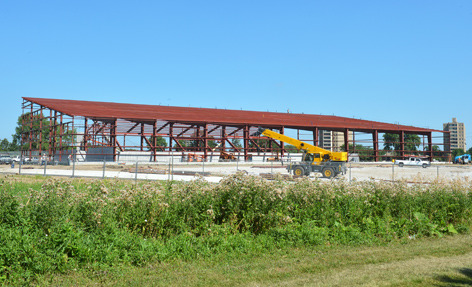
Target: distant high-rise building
point(325, 139)
point(332, 140)
point(456, 137)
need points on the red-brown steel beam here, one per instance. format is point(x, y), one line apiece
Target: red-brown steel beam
point(40, 133)
point(149, 143)
point(223, 138)
point(213, 129)
point(402, 144)
point(154, 140)
point(235, 131)
point(31, 132)
point(375, 139)
point(235, 148)
point(61, 134)
point(132, 128)
point(85, 135)
point(142, 137)
point(174, 139)
point(50, 151)
point(74, 138)
point(346, 140)
point(282, 144)
point(430, 146)
point(113, 139)
point(161, 128)
point(101, 126)
point(246, 142)
point(186, 130)
point(205, 141)
point(54, 135)
point(119, 145)
point(258, 148)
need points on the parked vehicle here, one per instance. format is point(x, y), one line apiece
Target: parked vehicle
point(413, 161)
point(462, 159)
point(30, 160)
point(5, 159)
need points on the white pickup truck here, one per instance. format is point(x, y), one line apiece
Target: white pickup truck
point(413, 161)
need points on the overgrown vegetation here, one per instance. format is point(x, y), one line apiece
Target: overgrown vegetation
point(63, 225)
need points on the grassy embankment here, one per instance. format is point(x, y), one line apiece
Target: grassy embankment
point(241, 231)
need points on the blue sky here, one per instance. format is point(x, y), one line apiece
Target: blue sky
point(407, 62)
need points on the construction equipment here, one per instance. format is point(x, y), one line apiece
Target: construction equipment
point(315, 159)
point(275, 158)
point(193, 157)
point(225, 156)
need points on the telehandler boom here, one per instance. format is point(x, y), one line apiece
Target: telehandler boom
point(315, 159)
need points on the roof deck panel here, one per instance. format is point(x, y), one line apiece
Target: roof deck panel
point(101, 110)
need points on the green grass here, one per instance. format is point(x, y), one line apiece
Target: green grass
point(56, 226)
point(424, 262)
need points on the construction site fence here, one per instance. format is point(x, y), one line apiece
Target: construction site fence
point(106, 154)
point(185, 171)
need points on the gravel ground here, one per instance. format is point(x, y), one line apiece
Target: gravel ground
point(214, 172)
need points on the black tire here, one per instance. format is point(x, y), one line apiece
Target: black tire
point(298, 171)
point(328, 172)
point(425, 165)
point(400, 164)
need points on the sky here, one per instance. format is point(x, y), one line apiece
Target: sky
point(394, 61)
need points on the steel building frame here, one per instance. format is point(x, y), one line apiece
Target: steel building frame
point(54, 127)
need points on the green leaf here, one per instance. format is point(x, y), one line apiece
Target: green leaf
point(451, 229)
point(420, 216)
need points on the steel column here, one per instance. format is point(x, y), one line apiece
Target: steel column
point(316, 134)
point(282, 144)
point(61, 134)
point(346, 140)
point(375, 139)
point(246, 142)
point(85, 134)
point(223, 138)
point(31, 132)
point(113, 140)
point(154, 140)
point(430, 146)
point(205, 141)
point(50, 152)
point(54, 135)
point(142, 137)
point(402, 144)
point(40, 133)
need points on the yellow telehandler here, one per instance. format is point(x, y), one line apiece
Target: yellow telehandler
point(315, 159)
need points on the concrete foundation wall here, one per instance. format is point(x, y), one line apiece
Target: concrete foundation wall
point(146, 156)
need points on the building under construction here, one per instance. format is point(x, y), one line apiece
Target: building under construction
point(56, 128)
